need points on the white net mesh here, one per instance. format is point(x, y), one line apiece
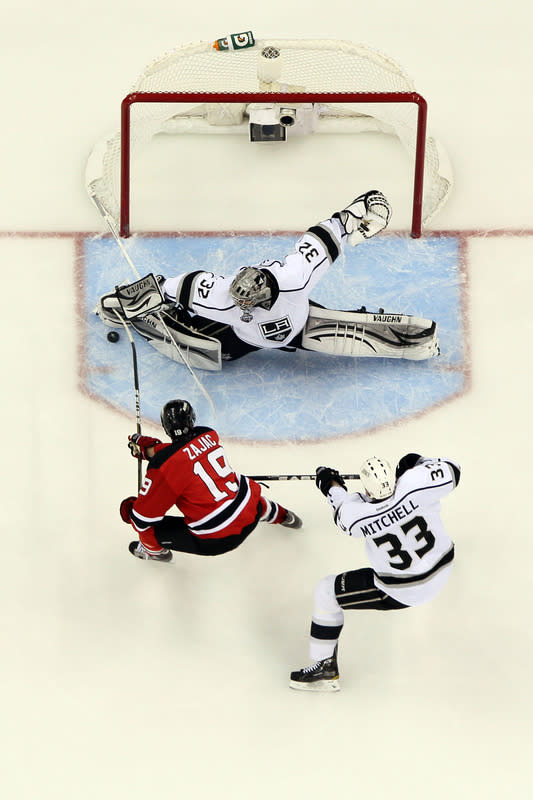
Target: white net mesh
point(310, 66)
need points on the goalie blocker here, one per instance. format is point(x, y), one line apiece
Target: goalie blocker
point(355, 334)
point(142, 306)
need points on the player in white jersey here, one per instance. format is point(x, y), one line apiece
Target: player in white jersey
point(268, 306)
point(411, 555)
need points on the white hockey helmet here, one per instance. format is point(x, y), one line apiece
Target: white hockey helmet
point(251, 287)
point(377, 477)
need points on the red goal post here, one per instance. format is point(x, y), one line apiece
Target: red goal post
point(275, 98)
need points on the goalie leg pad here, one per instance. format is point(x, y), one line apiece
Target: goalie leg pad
point(373, 335)
point(178, 342)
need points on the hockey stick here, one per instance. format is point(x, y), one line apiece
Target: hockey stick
point(350, 477)
point(137, 394)
point(112, 227)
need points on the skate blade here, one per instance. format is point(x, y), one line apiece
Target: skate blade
point(332, 685)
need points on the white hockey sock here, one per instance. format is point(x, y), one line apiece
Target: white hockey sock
point(327, 614)
point(319, 649)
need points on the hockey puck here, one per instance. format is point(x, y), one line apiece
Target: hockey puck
point(113, 336)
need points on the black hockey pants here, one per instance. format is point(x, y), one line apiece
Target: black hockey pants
point(173, 533)
point(356, 590)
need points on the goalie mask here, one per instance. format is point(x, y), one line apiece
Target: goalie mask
point(177, 418)
point(250, 288)
point(377, 477)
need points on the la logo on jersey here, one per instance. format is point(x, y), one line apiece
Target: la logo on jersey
point(276, 331)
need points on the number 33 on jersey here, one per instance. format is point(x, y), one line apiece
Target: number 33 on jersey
point(405, 539)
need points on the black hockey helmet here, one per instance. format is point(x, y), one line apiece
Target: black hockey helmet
point(177, 418)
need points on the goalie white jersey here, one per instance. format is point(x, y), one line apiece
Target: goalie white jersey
point(208, 295)
point(405, 540)
point(202, 319)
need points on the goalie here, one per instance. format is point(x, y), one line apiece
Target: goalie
point(205, 318)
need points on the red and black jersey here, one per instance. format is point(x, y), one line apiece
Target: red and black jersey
point(195, 476)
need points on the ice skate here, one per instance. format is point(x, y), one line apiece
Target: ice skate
point(322, 676)
point(291, 520)
point(137, 550)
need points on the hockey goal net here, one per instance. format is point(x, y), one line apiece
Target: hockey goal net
point(271, 91)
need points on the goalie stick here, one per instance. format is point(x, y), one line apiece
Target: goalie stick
point(137, 395)
point(311, 477)
point(111, 225)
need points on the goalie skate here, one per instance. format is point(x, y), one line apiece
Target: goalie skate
point(361, 334)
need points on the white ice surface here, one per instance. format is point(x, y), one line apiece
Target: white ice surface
point(125, 680)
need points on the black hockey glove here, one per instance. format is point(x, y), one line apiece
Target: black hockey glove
point(325, 477)
point(407, 462)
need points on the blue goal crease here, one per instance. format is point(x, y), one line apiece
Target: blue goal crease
point(278, 396)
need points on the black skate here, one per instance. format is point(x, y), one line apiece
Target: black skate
point(137, 550)
point(291, 521)
point(323, 676)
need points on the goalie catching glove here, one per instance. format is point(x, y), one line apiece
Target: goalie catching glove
point(367, 215)
point(139, 444)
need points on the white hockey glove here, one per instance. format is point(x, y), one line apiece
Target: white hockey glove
point(367, 215)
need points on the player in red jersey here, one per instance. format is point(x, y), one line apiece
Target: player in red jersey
point(220, 507)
